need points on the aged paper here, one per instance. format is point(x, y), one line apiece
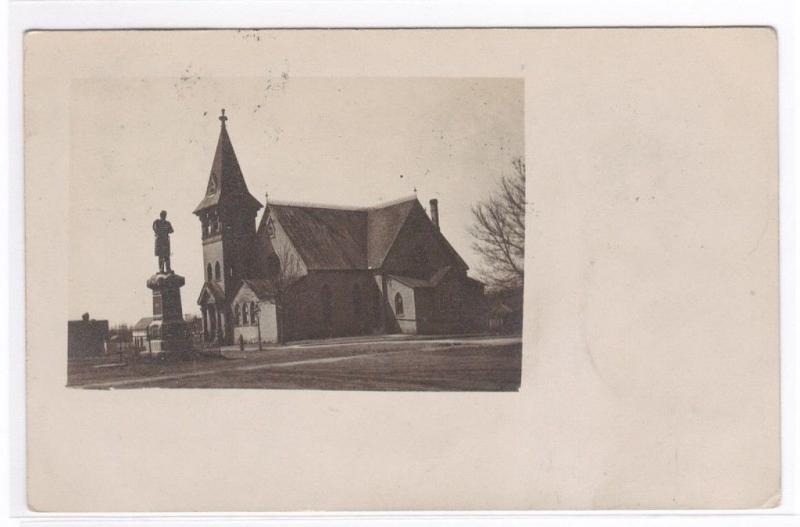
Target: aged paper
point(650, 355)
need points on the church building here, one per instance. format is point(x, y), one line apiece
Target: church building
point(307, 272)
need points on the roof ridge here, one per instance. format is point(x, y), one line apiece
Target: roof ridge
point(312, 205)
point(315, 205)
point(393, 202)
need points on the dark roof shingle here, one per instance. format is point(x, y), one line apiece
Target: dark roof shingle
point(262, 287)
point(383, 226)
point(325, 238)
point(328, 238)
point(226, 183)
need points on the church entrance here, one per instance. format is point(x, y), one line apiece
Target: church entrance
point(211, 323)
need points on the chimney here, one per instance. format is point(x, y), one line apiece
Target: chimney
point(435, 212)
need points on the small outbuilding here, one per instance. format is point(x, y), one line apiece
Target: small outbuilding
point(255, 317)
point(86, 337)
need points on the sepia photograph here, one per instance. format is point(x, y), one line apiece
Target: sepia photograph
point(383, 270)
point(344, 234)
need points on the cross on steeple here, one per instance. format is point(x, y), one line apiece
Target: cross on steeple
point(222, 117)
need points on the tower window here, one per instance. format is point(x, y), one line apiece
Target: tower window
point(217, 273)
point(209, 272)
point(398, 304)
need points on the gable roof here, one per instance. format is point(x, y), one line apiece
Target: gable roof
point(329, 238)
point(415, 283)
point(325, 238)
point(214, 290)
point(338, 238)
point(142, 324)
point(383, 226)
point(226, 183)
point(410, 281)
point(261, 287)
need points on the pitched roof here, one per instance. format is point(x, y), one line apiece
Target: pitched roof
point(383, 226)
point(415, 283)
point(214, 290)
point(326, 238)
point(226, 183)
point(142, 324)
point(342, 238)
point(410, 281)
point(262, 287)
point(438, 275)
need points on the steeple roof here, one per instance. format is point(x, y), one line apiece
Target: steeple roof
point(226, 184)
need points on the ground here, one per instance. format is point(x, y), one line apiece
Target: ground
point(398, 363)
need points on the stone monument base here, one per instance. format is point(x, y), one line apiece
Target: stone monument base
point(168, 332)
point(172, 336)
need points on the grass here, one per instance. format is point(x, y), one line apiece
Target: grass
point(461, 365)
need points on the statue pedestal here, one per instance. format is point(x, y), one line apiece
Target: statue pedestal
point(168, 331)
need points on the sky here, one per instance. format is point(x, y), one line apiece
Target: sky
point(140, 145)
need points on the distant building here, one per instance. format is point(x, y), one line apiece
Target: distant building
point(140, 333)
point(86, 337)
point(505, 311)
point(194, 324)
point(354, 271)
point(141, 328)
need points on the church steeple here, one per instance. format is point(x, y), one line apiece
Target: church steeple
point(226, 185)
point(227, 215)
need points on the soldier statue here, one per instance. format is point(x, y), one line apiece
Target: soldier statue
point(162, 229)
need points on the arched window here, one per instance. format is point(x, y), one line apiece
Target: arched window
point(398, 304)
point(217, 273)
point(209, 273)
point(357, 306)
point(245, 318)
point(253, 314)
point(237, 315)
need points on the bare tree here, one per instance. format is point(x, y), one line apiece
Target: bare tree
point(499, 231)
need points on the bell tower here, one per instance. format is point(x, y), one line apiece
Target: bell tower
point(227, 215)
